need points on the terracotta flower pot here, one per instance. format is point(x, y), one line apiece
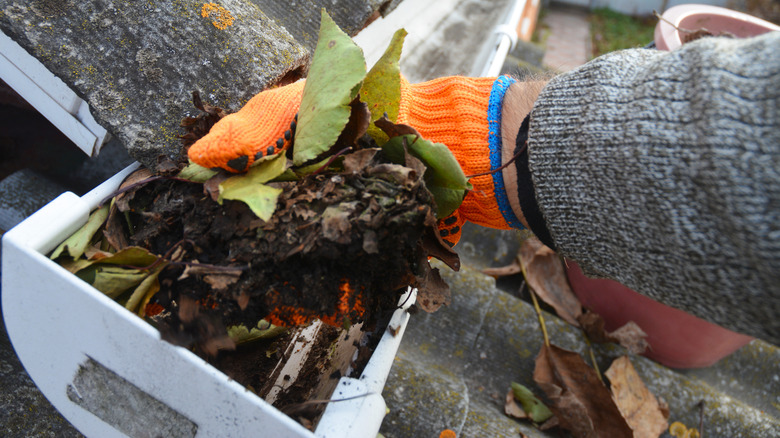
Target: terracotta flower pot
point(671, 31)
point(677, 339)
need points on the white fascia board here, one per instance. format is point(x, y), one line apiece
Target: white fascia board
point(50, 96)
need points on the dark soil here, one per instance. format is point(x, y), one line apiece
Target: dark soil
point(340, 248)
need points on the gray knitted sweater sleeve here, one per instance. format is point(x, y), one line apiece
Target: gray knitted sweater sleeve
point(661, 170)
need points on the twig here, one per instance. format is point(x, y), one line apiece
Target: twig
point(299, 406)
point(140, 183)
point(536, 307)
point(701, 419)
point(592, 357)
point(208, 266)
point(332, 158)
point(681, 29)
point(511, 160)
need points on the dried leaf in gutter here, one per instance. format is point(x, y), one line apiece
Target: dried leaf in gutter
point(513, 268)
point(512, 408)
point(121, 200)
point(359, 119)
point(638, 405)
point(433, 292)
point(76, 244)
point(582, 404)
point(630, 335)
point(114, 231)
point(532, 406)
point(112, 280)
point(196, 173)
point(197, 127)
point(546, 276)
point(144, 292)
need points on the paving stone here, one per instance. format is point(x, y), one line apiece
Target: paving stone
point(568, 38)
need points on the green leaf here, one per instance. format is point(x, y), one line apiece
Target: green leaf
point(80, 240)
point(249, 187)
point(196, 173)
point(148, 287)
point(311, 168)
point(381, 89)
point(105, 274)
point(263, 330)
point(336, 72)
point(443, 175)
point(532, 406)
point(112, 280)
point(131, 256)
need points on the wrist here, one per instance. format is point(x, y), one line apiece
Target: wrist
point(518, 102)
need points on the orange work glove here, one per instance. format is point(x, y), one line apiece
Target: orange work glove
point(462, 113)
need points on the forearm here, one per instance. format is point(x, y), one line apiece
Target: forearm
point(662, 171)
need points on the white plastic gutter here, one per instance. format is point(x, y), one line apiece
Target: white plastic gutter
point(50, 96)
point(506, 38)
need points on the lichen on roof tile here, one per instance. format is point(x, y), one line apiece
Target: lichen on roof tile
point(136, 64)
point(302, 18)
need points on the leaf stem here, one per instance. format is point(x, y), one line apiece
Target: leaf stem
point(592, 357)
point(536, 307)
point(511, 160)
point(333, 157)
point(140, 183)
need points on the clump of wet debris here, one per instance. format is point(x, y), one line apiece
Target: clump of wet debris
point(341, 246)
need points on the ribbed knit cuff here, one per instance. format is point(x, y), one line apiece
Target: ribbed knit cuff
point(500, 86)
point(454, 111)
point(525, 188)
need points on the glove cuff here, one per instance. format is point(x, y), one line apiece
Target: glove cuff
point(454, 111)
point(500, 86)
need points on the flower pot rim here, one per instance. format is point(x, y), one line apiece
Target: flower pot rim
point(667, 37)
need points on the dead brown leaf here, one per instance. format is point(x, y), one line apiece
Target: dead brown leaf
point(356, 162)
point(123, 199)
point(222, 281)
point(166, 166)
point(357, 125)
point(197, 127)
point(630, 336)
point(113, 231)
point(433, 292)
point(197, 269)
point(512, 408)
point(211, 186)
point(93, 253)
point(582, 404)
point(395, 129)
point(188, 309)
point(504, 271)
point(638, 405)
point(213, 345)
point(243, 300)
point(545, 275)
point(434, 246)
